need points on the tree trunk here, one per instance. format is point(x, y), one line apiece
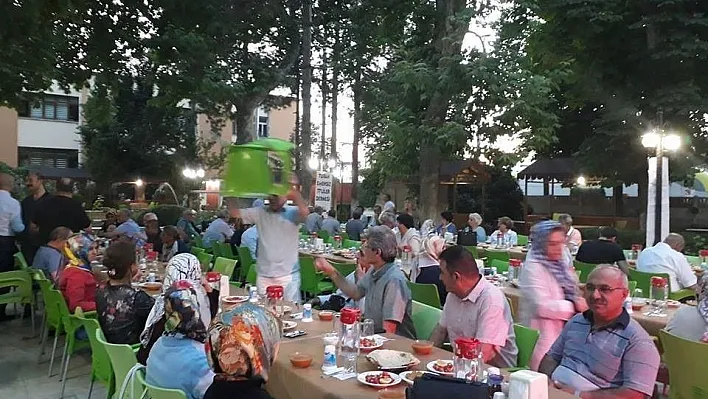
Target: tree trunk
point(335, 94)
point(306, 177)
point(323, 87)
point(298, 152)
point(357, 137)
point(243, 119)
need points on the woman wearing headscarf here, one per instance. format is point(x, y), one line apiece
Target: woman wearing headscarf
point(549, 287)
point(76, 281)
point(427, 228)
point(180, 267)
point(691, 322)
point(241, 346)
point(427, 270)
point(178, 359)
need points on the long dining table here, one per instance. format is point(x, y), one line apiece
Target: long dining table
point(288, 382)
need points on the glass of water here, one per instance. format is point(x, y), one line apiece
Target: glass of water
point(367, 328)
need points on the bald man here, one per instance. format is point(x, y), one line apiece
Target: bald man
point(603, 352)
point(10, 225)
point(666, 257)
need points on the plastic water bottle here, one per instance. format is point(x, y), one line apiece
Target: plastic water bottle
point(628, 303)
point(348, 348)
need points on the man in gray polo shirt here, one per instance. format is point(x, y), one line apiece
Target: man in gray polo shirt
point(474, 308)
point(388, 300)
point(603, 352)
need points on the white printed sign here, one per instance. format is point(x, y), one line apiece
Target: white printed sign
point(323, 190)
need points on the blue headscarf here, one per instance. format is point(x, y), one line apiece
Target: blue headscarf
point(539, 252)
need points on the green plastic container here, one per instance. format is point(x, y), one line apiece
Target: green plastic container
point(258, 168)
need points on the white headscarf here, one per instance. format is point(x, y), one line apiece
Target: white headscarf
point(180, 267)
point(427, 228)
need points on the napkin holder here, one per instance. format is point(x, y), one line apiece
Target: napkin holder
point(527, 384)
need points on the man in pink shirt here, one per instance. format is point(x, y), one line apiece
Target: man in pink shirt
point(573, 238)
point(474, 308)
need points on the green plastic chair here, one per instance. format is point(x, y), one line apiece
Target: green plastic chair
point(101, 369)
point(205, 260)
point(226, 250)
point(347, 243)
point(196, 251)
point(52, 321)
point(246, 260)
point(526, 339)
point(225, 266)
point(155, 392)
point(425, 318)
point(199, 242)
point(473, 250)
point(252, 274)
point(20, 261)
point(324, 235)
point(686, 362)
point(522, 240)
point(310, 280)
point(344, 269)
point(216, 250)
point(492, 254)
point(425, 293)
point(122, 360)
point(71, 325)
point(632, 286)
point(643, 280)
point(584, 268)
point(21, 281)
point(501, 266)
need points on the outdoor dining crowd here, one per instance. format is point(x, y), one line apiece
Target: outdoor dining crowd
point(589, 345)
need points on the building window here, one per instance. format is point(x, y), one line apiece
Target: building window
point(54, 107)
point(262, 126)
point(53, 158)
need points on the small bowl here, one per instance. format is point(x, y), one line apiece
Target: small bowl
point(300, 360)
point(422, 347)
point(151, 286)
point(392, 393)
point(326, 315)
point(637, 307)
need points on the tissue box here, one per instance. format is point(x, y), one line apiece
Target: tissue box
point(527, 384)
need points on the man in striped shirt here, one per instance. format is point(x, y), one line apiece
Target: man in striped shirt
point(603, 352)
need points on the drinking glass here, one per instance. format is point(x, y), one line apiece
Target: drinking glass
point(367, 328)
point(638, 293)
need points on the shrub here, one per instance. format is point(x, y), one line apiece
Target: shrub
point(625, 238)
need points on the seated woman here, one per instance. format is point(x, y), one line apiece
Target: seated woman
point(172, 243)
point(428, 267)
point(181, 267)
point(241, 346)
point(122, 309)
point(178, 359)
point(76, 282)
point(504, 235)
point(691, 322)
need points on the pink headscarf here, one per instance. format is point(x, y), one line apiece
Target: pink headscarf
point(433, 246)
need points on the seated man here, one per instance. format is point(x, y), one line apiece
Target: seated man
point(604, 250)
point(573, 238)
point(323, 301)
point(388, 300)
point(666, 257)
point(330, 224)
point(50, 257)
point(474, 308)
point(127, 228)
point(603, 352)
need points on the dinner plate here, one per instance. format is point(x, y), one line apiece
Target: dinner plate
point(430, 367)
point(379, 343)
point(404, 375)
point(150, 286)
point(235, 298)
point(362, 378)
point(289, 325)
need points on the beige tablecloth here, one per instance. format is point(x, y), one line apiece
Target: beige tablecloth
point(333, 258)
point(514, 252)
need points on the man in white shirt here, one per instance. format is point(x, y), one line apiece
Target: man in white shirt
point(10, 225)
point(666, 257)
point(388, 204)
point(278, 242)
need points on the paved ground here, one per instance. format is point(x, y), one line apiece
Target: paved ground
point(22, 378)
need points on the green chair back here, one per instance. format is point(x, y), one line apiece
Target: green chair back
point(226, 250)
point(101, 368)
point(205, 260)
point(492, 254)
point(155, 392)
point(686, 362)
point(51, 309)
point(20, 261)
point(643, 280)
point(21, 280)
point(347, 243)
point(425, 293)
point(522, 240)
point(122, 360)
point(246, 260)
point(501, 266)
point(195, 250)
point(198, 242)
point(425, 318)
point(526, 339)
point(310, 280)
point(225, 266)
point(324, 235)
point(344, 269)
point(216, 250)
point(632, 287)
point(252, 274)
point(584, 268)
point(473, 249)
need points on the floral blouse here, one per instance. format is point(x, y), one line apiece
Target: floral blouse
point(122, 312)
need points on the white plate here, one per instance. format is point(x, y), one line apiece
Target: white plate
point(362, 378)
point(286, 309)
point(404, 375)
point(430, 367)
point(379, 343)
point(235, 298)
point(289, 325)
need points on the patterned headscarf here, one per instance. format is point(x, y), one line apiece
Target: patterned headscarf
point(703, 303)
point(427, 228)
point(180, 267)
point(77, 251)
point(242, 343)
point(182, 312)
point(540, 233)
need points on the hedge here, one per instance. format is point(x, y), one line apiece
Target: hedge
point(625, 238)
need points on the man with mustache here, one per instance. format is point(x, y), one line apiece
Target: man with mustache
point(603, 352)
